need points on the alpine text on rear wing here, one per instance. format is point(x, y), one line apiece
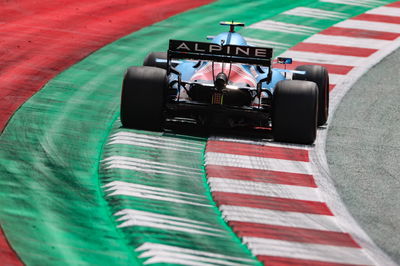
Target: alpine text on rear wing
point(219, 53)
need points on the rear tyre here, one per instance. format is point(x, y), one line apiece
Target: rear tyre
point(319, 75)
point(150, 60)
point(294, 111)
point(142, 98)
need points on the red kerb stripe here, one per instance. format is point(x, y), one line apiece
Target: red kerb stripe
point(256, 175)
point(280, 261)
point(333, 49)
point(257, 150)
point(332, 69)
point(357, 33)
point(293, 234)
point(331, 86)
point(395, 4)
point(271, 203)
point(379, 18)
point(7, 254)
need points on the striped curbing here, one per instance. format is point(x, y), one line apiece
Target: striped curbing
point(159, 253)
point(299, 219)
point(156, 190)
point(296, 215)
point(363, 3)
point(271, 25)
point(314, 13)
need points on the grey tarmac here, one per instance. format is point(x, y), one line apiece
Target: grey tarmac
point(363, 153)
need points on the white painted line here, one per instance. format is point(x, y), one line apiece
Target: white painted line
point(365, 3)
point(270, 25)
point(253, 162)
point(149, 170)
point(282, 218)
point(369, 25)
point(306, 251)
point(167, 252)
point(315, 13)
point(147, 192)
point(321, 58)
point(157, 138)
point(266, 143)
point(114, 184)
point(347, 41)
point(336, 78)
point(258, 42)
point(185, 259)
point(145, 195)
point(150, 164)
point(385, 11)
point(156, 146)
point(132, 217)
point(165, 225)
point(133, 212)
point(160, 142)
point(264, 189)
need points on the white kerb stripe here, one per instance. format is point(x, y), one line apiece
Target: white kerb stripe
point(252, 162)
point(369, 25)
point(167, 227)
point(185, 259)
point(366, 3)
point(137, 136)
point(270, 25)
point(263, 189)
point(385, 11)
point(121, 184)
point(347, 41)
point(147, 163)
point(154, 249)
point(272, 44)
point(282, 218)
point(336, 78)
point(147, 145)
point(314, 13)
point(306, 251)
point(155, 196)
point(138, 213)
point(261, 143)
point(163, 142)
point(320, 58)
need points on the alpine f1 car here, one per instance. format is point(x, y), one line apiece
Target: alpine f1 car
point(226, 83)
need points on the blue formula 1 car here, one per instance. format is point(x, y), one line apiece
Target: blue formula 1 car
point(226, 83)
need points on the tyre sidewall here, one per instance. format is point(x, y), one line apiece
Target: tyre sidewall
point(294, 111)
point(142, 98)
point(319, 75)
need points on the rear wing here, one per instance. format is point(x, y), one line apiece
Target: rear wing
point(220, 53)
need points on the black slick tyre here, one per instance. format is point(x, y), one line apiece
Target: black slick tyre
point(142, 98)
point(150, 60)
point(319, 75)
point(294, 111)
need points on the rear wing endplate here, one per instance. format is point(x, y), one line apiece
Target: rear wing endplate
point(220, 53)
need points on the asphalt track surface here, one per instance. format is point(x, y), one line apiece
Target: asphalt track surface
point(363, 151)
